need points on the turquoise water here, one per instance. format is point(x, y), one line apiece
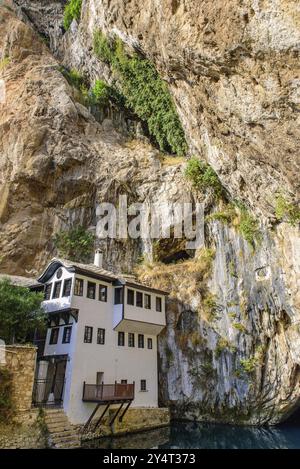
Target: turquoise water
point(190, 435)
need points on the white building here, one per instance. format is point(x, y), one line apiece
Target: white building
point(101, 344)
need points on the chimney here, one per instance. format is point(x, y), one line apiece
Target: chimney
point(98, 258)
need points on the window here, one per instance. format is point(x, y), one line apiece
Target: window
point(88, 335)
point(101, 336)
point(102, 293)
point(59, 273)
point(147, 301)
point(67, 287)
point(121, 339)
point(123, 381)
point(54, 336)
point(143, 385)
point(150, 344)
point(67, 335)
point(130, 339)
point(118, 296)
point(130, 297)
point(158, 304)
point(56, 290)
point(47, 293)
point(141, 341)
point(91, 290)
point(78, 288)
point(139, 299)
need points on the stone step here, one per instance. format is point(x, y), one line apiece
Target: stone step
point(55, 428)
point(63, 433)
point(57, 422)
point(64, 439)
point(69, 445)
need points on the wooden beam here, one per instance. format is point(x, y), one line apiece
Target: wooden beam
point(125, 410)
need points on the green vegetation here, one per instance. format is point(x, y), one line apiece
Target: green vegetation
point(102, 93)
point(203, 177)
point(20, 312)
point(227, 215)
point(6, 405)
point(73, 77)
point(144, 92)
point(240, 327)
point(4, 62)
point(232, 268)
point(249, 227)
point(236, 214)
point(210, 306)
point(75, 244)
point(72, 11)
point(249, 365)
point(222, 345)
point(287, 211)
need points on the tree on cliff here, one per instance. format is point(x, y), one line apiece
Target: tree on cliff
point(76, 244)
point(20, 312)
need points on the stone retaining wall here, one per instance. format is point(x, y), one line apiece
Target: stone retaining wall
point(20, 360)
point(135, 420)
point(26, 429)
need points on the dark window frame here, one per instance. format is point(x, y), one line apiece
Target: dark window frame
point(158, 301)
point(118, 301)
point(66, 282)
point(100, 336)
point(130, 291)
point(101, 287)
point(138, 303)
point(121, 334)
point(67, 337)
point(149, 341)
point(131, 339)
point(54, 336)
point(88, 334)
point(78, 281)
point(143, 385)
point(92, 285)
point(146, 304)
point(56, 285)
point(47, 292)
point(141, 341)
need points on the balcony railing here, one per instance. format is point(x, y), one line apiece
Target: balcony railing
point(108, 392)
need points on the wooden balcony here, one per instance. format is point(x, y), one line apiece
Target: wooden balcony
point(108, 393)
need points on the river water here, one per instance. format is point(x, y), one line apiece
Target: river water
point(191, 435)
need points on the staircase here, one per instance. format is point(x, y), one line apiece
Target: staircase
point(61, 433)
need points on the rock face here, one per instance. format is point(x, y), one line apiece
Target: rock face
point(232, 70)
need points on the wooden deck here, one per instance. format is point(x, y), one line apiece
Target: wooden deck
point(108, 393)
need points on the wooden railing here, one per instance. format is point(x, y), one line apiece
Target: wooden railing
point(107, 392)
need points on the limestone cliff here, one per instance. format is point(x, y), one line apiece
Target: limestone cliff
point(231, 350)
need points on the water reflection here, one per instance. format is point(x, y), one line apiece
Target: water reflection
point(192, 435)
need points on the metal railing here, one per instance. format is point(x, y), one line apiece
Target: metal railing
point(107, 392)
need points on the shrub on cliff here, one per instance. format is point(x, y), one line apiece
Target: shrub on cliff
point(203, 177)
point(75, 244)
point(20, 312)
point(72, 11)
point(145, 93)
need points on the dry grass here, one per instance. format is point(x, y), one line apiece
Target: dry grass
point(185, 280)
point(172, 160)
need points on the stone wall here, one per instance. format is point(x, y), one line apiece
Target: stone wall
point(20, 360)
point(135, 420)
point(28, 432)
